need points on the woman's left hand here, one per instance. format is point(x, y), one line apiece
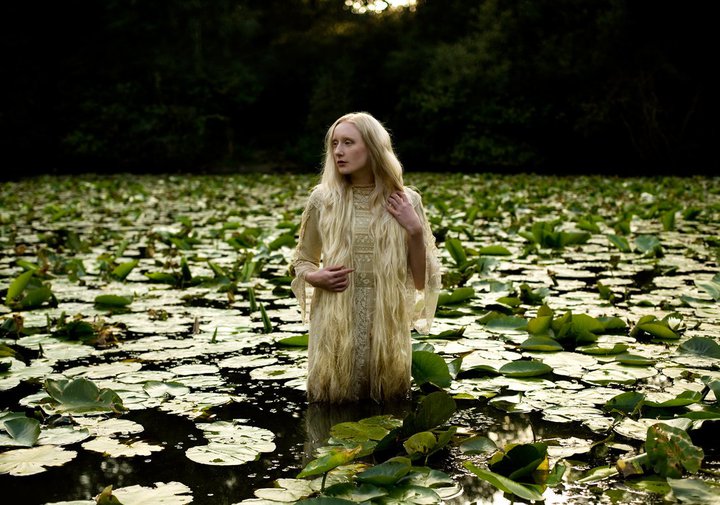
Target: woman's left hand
point(399, 207)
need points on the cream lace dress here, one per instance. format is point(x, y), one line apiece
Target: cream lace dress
point(365, 373)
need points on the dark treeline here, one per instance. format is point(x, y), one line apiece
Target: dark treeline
point(541, 85)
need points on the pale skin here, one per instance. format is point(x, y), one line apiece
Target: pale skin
point(351, 159)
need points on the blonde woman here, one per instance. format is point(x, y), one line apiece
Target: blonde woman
point(366, 268)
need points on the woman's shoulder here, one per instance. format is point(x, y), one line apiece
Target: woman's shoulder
point(414, 195)
point(318, 195)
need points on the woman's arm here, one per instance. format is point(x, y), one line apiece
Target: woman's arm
point(307, 257)
point(400, 207)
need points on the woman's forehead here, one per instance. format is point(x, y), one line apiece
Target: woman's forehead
point(345, 129)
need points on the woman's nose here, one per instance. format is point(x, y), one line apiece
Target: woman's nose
point(338, 149)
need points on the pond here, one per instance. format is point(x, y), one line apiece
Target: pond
point(149, 341)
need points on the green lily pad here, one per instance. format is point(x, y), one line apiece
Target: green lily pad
point(702, 346)
point(694, 491)
point(598, 350)
point(112, 300)
point(525, 368)
point(23, 431)
point(433, 410)
point(372, 428)
point(429, 367)
point(386, 473)
point(336, 457)
point(543, 344)
point(524, 491)
point(477, 445)
point(634, 360)
point(295, 341)
point(420, 443)
point(82, 396)
point(670, 450)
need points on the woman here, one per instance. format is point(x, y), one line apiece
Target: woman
point(380, 269)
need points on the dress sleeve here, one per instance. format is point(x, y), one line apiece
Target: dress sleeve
point(425, 300)
point(307, 256)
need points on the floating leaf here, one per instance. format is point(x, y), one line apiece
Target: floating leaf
point(634, 360)
point(117, 449)
point(420, 443)
point(543, 344)
point(598, 350)
point(433, 410)
point(159, 389)
point(457, 251)
point(525, 368)
point(494, 250)
point(478, 445)
point(598, 473)
point(160, 493)
point(525, 463)
point(627, 402)
point(712, 287)
point(503, 322)
point(387, 473)
point(525, 491)
point(670, 450)
point(682, 400)
point(17, 286)
point(620, 242)
point(658, 330)
point(107, 498)
point(81, 396)
point(649, 245)
point(295, 341)
point(112, 300)
point(702, 346)
point(121, 271)
point(694, 491)
point(457, 296)
point(23, 430)
point(231, 444)
point(429, 367)
point(20, 462)
point(336, 456)
point(326, 500)
point(364, 493)
point(371, 428)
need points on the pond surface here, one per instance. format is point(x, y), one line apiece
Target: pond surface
point(198, 343)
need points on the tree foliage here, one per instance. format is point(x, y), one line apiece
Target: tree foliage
point(510, 84)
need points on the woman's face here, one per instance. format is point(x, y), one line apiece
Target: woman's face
point(350, 153)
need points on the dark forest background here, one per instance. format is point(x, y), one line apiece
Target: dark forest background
point(504, 85)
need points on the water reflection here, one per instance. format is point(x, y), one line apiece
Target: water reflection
point(321, 417)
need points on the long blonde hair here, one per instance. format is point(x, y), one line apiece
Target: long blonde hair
point(391, 322)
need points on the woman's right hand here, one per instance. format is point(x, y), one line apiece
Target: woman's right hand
point(333, 278)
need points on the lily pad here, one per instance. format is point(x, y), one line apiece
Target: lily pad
point(231, 444)
point(543, 344)
point(524, 491)
point(694, 491)
point(429, 367)
point(82, 396)
point(702, 346)
point(34, 460)
point(525, 368)
point(118, 449)
point(160, 493)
